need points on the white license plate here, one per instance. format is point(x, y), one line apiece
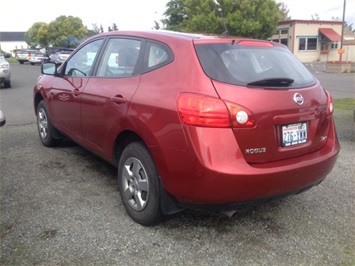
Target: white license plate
point(294, 134)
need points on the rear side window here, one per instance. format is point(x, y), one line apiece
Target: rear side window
point(245, 65)
point(156, 55)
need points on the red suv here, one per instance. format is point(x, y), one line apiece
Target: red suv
point(191, 121)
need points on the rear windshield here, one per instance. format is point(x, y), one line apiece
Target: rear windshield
point(27, 52)
point(253, 66)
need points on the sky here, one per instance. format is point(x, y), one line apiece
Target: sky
point(138, 14)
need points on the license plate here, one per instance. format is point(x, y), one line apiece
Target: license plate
point(294, 134)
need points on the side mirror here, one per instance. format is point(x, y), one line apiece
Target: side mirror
point(49, 68)
point(2, 119)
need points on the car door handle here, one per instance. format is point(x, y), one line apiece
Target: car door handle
point(118, 99)
point(76, 92)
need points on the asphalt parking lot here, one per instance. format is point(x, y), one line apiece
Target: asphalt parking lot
point(61, 206)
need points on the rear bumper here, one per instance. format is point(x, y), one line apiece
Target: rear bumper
point(233, 206)
point(215, 173)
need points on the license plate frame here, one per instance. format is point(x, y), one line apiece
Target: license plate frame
point(294, 134)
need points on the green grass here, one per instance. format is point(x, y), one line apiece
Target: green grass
point(344, 104)
point(11, 60)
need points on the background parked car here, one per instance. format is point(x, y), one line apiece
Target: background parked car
point(60, 56)
point(5, 72)
point(2, 119)
point(6, 55)
point(24, 55)
point(38, 59)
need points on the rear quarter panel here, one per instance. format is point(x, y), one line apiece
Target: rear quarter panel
point(153, 110)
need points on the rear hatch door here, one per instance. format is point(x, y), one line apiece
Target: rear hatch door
point(288, 105)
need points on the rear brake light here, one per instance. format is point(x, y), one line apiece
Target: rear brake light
point(256, 43)
point(206, 111)
point(330, 105)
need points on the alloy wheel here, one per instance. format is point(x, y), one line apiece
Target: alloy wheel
point(135, 184)
point(42, 123)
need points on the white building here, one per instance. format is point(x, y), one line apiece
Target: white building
point(316, 40)
point(10, 42)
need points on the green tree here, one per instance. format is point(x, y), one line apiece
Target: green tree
point(67, 31)
point(346, 25)
point(315, 16)
point(95, 30)
point(114, 27)
point(37, 35)
point(349, 26)
point(203, 16)
point(175, 15)
point(247, 18)
point(156, 25)
point(284, 11)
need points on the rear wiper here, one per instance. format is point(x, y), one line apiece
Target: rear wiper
point(272, 82)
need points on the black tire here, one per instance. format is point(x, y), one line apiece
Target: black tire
point(46, 131)
point(21, 62)
point(32, 64)
point(7, 84)
point(139, 184)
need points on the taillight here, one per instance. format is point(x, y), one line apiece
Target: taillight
point(240, 116)
point(330, 105)
point(206, 111)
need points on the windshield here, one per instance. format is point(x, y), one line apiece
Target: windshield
point(253, 65)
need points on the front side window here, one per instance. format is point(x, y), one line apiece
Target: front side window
point(80, 65)
point(119, 58)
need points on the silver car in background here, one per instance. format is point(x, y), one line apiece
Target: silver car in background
point(38, 59)
point(60, 56)
point(5, 72)
point(2, 119)
point(24, 55)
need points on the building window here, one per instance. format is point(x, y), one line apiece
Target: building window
point(308, 44)
point(334, 46)
point(302, 44)
point(285, 31)
point(281, 31)
point(284, 41)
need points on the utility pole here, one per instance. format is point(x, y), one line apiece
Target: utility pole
point(341, 51)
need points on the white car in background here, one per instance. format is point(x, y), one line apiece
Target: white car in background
point(5, 72)
point(24, 55)
point(60, 56)
point(38, 59)
point(2, 119)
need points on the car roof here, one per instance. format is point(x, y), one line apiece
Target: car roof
point(165, 35)
point(156, 34)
